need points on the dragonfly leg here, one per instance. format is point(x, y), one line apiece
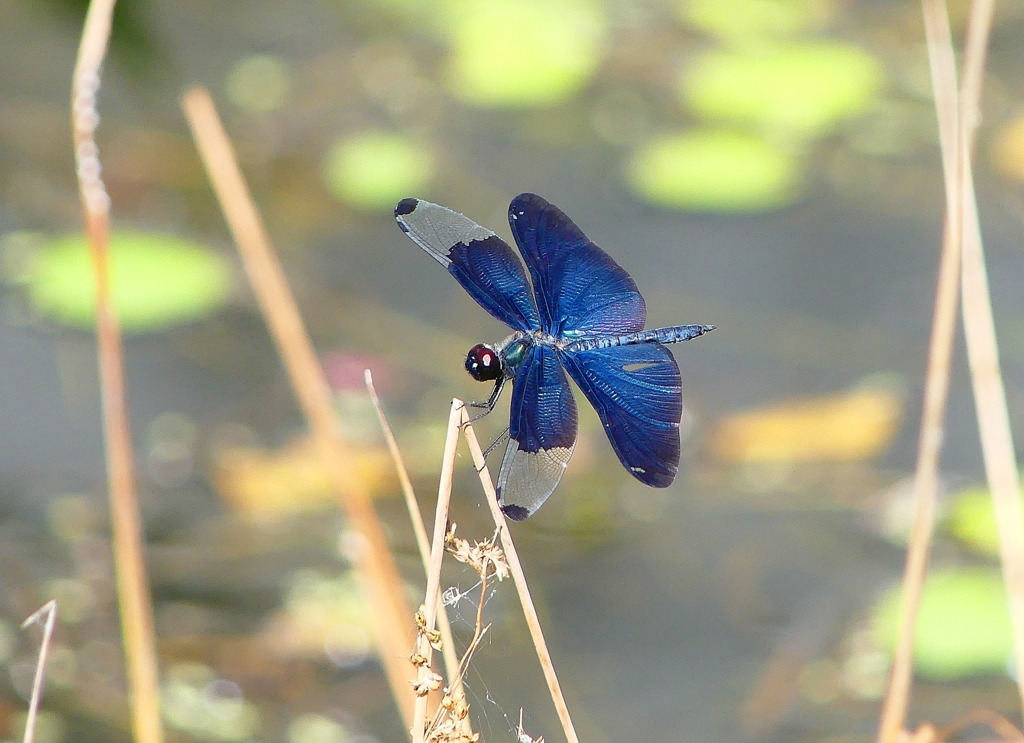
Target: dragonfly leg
point(503, 436)
point(494, 444)
point(489, 403)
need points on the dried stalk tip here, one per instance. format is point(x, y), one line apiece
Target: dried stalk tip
point(522, 735)
point(926, 733)
point(485, 557)
point(456, 706)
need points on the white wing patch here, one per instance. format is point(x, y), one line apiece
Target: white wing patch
point(437, 229)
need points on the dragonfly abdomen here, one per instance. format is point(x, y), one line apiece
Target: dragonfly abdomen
point(673, 334)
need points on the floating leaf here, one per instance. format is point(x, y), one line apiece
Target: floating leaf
point(313, 728)
point(963, 625)
point(158, 281)
point(267, 486)
point(1007, 151)
point(971, 518)
point(375, 170)
point(803, 90)
point(321, 616)
point(523, 53)
point(259, 83)
point(718, 171)
point(743, 20)
point(847, 427)
point(193, 699)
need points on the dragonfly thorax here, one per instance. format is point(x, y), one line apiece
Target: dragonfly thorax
point(484, 363)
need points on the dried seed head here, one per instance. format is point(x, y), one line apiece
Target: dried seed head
point(485, 557)
point(432, 682)
point(418, 659)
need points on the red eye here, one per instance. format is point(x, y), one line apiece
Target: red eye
point(483, 364)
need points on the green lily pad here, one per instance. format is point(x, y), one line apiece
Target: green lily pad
point(718, 171)
point(260, 83)
point(374, 170)
point(523, 53)
point(746, 20)
point(803, 90)
point(963, 626)
point(159, 281)
point(971, 519)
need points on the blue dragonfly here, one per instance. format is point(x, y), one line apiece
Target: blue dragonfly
point(583, 316)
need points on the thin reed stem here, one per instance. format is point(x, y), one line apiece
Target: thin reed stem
point(451, 661)
point(936, 389)
point(49, 609)
point(516, 568)
point(433, 592)
point(982, 350)
point(419, 529)
point(374, 564)
point(1005, 730)
point(133, 592)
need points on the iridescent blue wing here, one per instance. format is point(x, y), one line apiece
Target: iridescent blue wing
point(542, 434)
point(578, 286)
point(638, 394)
point(482, 262)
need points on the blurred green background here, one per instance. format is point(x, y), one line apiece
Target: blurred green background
point(767, 166)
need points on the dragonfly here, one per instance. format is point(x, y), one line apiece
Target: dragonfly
point(579, 312)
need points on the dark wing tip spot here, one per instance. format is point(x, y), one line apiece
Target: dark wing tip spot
point(523, 201)
point(656, 479)
point(516, 513)
point(406, 206)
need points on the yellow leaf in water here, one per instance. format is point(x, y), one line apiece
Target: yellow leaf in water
point(847, 427)
point(267, 485)
point(1007, 151)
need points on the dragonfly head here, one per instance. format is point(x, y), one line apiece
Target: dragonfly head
point(484, 363)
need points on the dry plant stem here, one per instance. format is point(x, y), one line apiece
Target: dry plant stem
point(375, 565)
point(433, 593)
point(516, 568)
point(936, 390)
point(982, 350)
point(994, 425)
point(451, 661)
point(413, 506)
point(49, 609)
point(1004, 729)
point(126, 524)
